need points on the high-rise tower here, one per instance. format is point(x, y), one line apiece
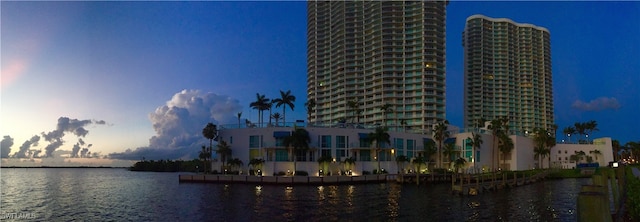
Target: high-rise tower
point(362, 55)
point(507, 73)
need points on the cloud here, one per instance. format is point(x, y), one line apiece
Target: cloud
point(22, 153)
point(599, 104)
point(178, 125)
point(5, 146)
point(67, 125)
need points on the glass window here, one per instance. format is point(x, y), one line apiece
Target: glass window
point(365, 155)
point(254, 141)
point(325, 141)
point(364, 142)
point(341, 142)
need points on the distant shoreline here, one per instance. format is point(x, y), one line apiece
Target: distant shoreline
point(62, 167)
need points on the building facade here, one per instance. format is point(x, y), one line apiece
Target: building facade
point(362, 55)
point(507, 74)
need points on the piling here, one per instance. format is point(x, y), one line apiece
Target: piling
point(593, 206)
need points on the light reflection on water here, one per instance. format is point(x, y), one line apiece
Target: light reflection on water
point(120, 195)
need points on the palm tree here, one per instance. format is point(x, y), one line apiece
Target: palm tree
point(450, 152)
point(568, 131)
point(311, 104)
point(286, 99)
point(429, 150)
point(299, 142)
point(400, 160)
point(581, 130)
point(506, 145)
point(277, 117)
point(615, 144)
point(403, 123)
point(354, 106)
point(440, 133)
point(386, 108)
point(235, 163)
point(256, 164)
point(324, 161)
point(590, 127)
point(496, 127)
point(539, 152)
point(260, 104)
point(459, 163)
point(476, 142)
point(224, 150)
point(202, 155)
point(596, 152)
point(210, 132)
point(540, 141)
point(417, 162)
point(551, 142)
point(349, 162)
point(379, 136)
point(239, 115)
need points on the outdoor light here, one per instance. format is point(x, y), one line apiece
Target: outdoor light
point(393, 151)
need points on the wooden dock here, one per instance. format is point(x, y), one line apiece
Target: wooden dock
point(473, 184)
point(312, 180)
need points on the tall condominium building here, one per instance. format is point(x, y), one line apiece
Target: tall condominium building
point(362, 55)
point(507, 73)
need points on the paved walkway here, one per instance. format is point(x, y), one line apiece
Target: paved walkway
point(635, 172)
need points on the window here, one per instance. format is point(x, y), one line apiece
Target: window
point(364, 142)
point(325, 141)
point(254, 141)
point(231, 140)
point(365, 155)
point(411, 148)
point(341, 142)
point(398, 143)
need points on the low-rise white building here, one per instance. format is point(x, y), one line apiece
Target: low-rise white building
point(351, 141)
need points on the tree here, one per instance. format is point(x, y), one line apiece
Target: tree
point(596, 153)
point(568, 131)
point(459, 163)
point(450, 152)
point(210, 132)
point(590, 127)
point(286, 99)
point(403, 123)
point(261, 104)
point(203, 156)
point(324, 161)
point(354, 106)
point(400, 160)
point(349, 162)
point(417, 162)
point(542, 144)
point(429, 150)
point(224, 150)
point(311, 104)
point(506, 146)
point(277, 117)
point(440, 133)
point(476, 142)
point(615, 144)
point(497, 128)
point(386, 108)
point(379, 136)
point(538, 153)
point(256, 164)
point(235, 163)
point(581, 130)
point(239, 115)
point(299, 142)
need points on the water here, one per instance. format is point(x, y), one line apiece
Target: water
point(66, 194)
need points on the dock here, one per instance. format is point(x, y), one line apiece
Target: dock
point(286, 180)
point(473, 184)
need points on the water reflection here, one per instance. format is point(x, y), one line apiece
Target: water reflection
point(118, 195)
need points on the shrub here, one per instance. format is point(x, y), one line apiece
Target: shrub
point(281, 173)
point(301, 173)
point(633, 196)
point(366, 172)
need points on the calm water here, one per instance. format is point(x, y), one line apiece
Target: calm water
point(120, 195)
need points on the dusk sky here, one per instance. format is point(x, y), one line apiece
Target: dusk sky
point(146, 76)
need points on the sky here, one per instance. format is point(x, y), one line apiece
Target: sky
point(128, 80)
